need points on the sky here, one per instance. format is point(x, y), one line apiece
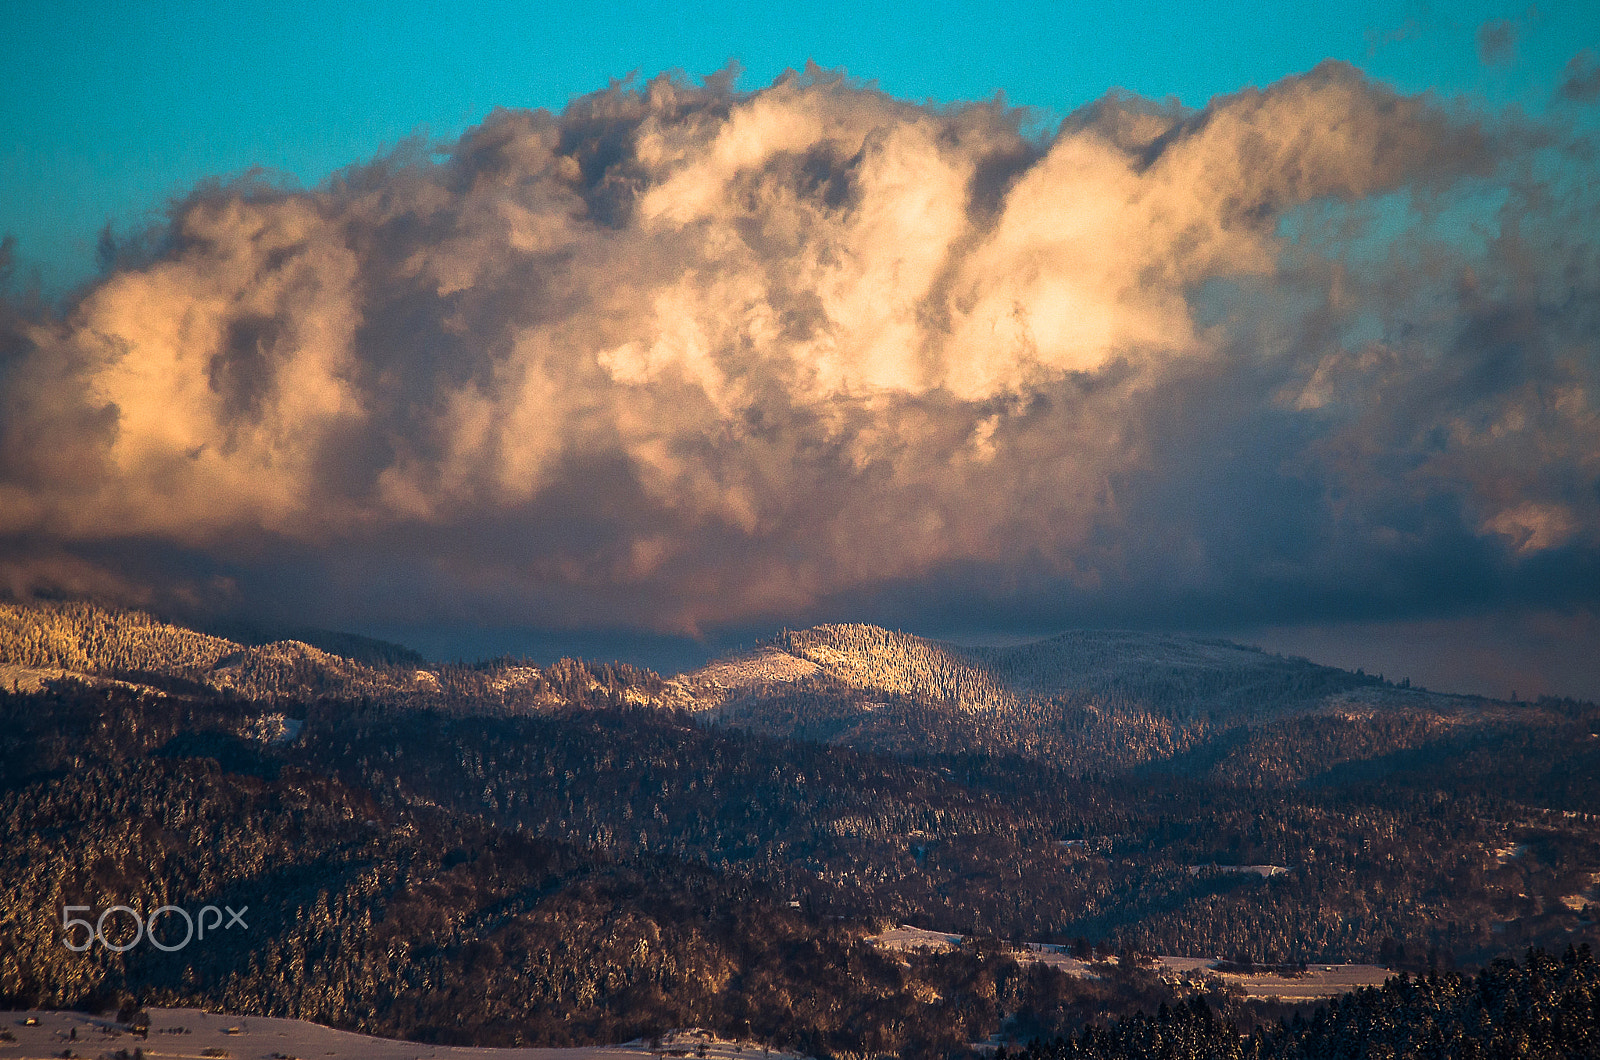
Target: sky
point(645, 330)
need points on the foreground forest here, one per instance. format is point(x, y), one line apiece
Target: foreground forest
point(391, 914)
point(1537, 1008)
point(503, 853)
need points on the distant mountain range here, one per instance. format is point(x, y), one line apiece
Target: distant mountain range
point(1083, 699)
point(1101, 698)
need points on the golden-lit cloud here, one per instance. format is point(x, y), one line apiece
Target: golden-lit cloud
point(683, 357)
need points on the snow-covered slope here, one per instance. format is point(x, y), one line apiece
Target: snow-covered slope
point(177, 1032)
point(1080, 699)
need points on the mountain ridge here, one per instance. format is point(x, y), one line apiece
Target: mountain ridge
point(1082, 699)
point(1079, 699)
point(82, 640)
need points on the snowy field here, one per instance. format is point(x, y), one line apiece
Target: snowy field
point(1319, 981)
point(190, 1034)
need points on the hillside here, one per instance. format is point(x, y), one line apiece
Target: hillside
point(502, 853)
point(1165, 673)
point(1080, 700)
point(46, 640)
point(551, 879)
point(1169, 674)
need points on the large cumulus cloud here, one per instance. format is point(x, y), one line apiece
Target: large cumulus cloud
point(682, 357)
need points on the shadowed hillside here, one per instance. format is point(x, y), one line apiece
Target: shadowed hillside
point(1081, 700)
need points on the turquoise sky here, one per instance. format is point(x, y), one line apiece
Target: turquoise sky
point(111, 109)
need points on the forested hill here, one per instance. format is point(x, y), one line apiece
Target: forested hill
point(1168, 673)
point(1164, 673)
point(504, 853)
point(43, 641)
point(1083, 699)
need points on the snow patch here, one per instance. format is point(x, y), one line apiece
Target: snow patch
point(1263, 871)
point(194, 1033)
point(1316, 982)
point(274, 729)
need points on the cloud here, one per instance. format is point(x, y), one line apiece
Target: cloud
point(1379, 39)
point(1580, 81)
point(1497, 42)
point(681, 358)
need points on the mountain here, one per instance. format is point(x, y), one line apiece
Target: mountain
point(1085, 699)
point(596, 873)
point(1167, 674)
point(96, 642)
point(1080, 700)
point(588, 852)
point(43, 641)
